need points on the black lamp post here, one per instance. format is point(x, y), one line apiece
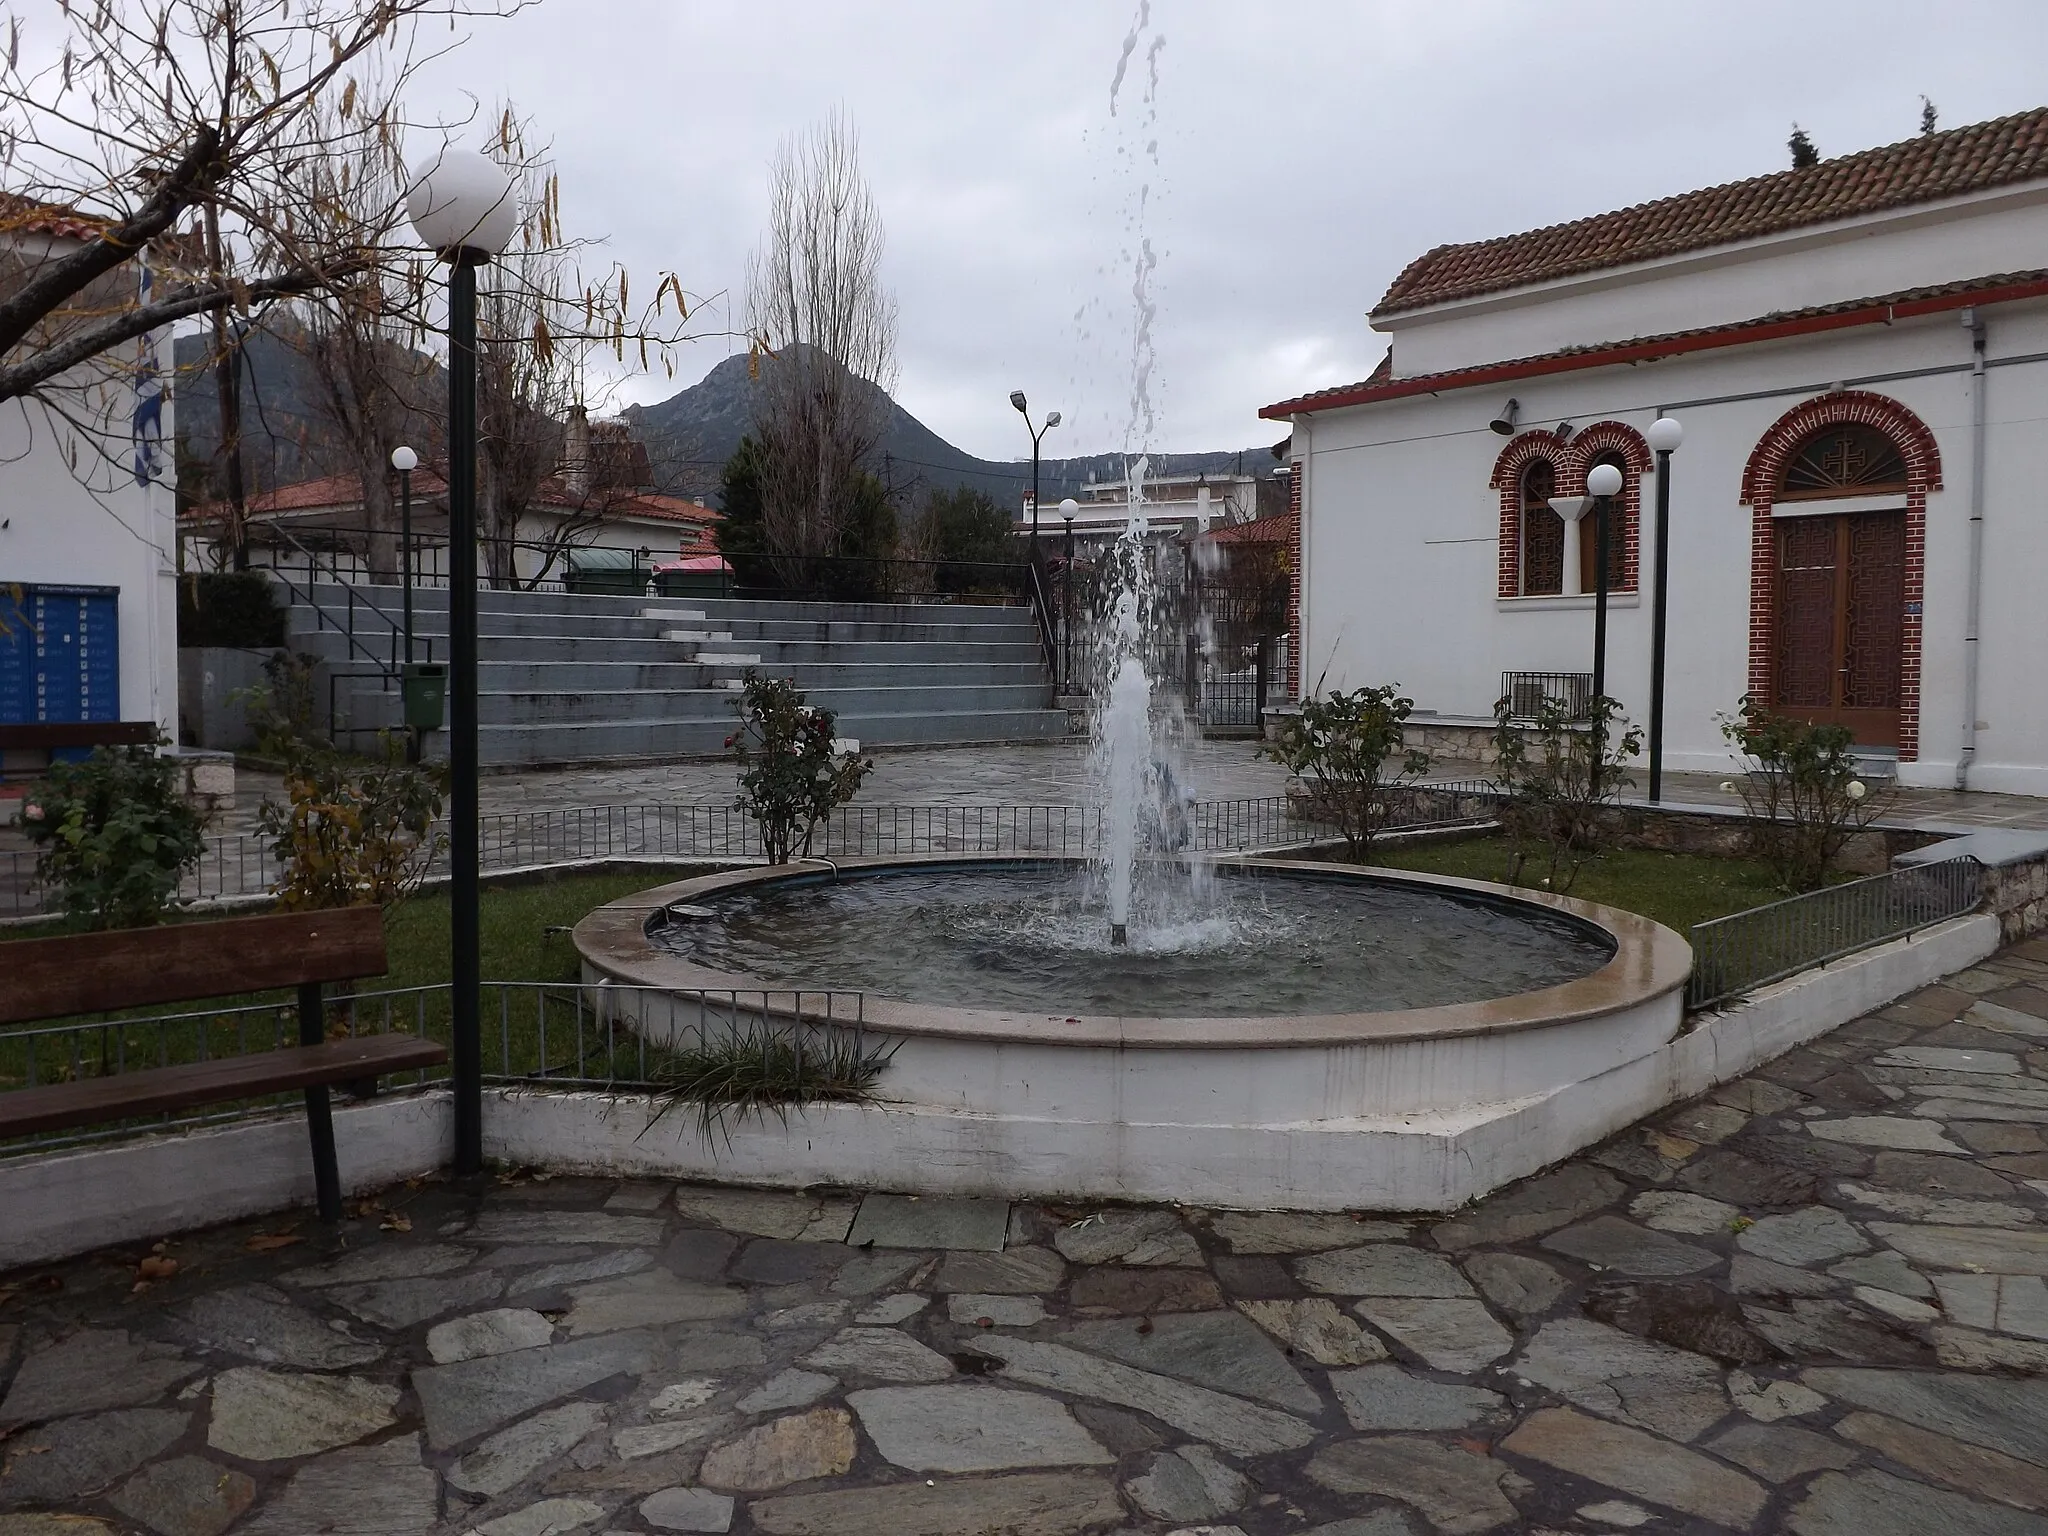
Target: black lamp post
point(405, 461)
point(1665, 435)
point(464, 208)
point(1051, 421)
point(1602, 482)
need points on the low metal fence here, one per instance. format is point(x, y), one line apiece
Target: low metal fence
point(1737, 954)
point(243, 865)
point(564, 1035)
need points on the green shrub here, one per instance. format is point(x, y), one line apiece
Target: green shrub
point(1800, 787)
point(1343, 745)
point(353, 834)
point(281, 709)
point(229, 608)
point(791, 779)
point(115, 835)
point(1559, 776)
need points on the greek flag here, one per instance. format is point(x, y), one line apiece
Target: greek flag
point(146, 426)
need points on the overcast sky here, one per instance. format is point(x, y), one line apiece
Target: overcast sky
point(1305, 152)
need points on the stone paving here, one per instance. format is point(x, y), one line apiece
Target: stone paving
point(1815, 1301)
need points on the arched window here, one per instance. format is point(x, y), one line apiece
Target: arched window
point(1847, 460)
point(1617, 532)
point(1542, 531)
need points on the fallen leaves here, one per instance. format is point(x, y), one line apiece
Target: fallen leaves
point(270, 1242)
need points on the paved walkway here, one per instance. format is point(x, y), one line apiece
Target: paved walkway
point(1812, 1302)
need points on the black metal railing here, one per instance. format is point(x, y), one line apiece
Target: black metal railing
point(1737, 954)
point(1525, 693)
point(242, 865)
point(563, 1035)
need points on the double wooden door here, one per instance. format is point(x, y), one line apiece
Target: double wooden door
point(1840, 621)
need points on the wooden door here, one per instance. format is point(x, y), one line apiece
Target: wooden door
point(1840, 611)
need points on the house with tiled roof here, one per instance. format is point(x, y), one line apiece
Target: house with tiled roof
point(88, 597)
point(592, 514)
point(1856, 352)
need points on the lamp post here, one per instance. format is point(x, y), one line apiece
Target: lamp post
point(405, 461)
point(1051, 421)
point(1068, 510)
point(1665, 435)
point(1602, 482)
point(464, 208)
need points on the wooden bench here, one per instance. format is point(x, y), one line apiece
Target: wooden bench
point(26, 750)
point(150, 967)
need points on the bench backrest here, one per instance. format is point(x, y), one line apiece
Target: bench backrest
point(79, 733)
point(181, 963)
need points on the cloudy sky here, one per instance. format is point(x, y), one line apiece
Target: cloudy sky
point(1305, 151)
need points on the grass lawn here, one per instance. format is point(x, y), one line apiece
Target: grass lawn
point(517, 946)
point(1677, 889)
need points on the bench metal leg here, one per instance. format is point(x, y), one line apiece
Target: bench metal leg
point(319, 1113)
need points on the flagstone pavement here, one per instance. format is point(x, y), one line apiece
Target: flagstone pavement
point(1815, 1301)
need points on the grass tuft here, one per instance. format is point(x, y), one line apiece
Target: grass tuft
point(722, 1083)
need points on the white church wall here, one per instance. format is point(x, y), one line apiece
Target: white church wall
point(1956, 240)
point(1402, 527)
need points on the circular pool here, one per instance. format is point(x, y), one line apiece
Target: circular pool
point(1314, 1036)
point(1023, 935)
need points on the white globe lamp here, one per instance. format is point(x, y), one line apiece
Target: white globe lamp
point(1665, 435)
point(463, 202)
point(1603, 480)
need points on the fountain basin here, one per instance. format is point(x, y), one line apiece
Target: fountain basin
point(1402, 1108)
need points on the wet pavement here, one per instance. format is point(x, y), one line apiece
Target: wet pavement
point(1815, 1301)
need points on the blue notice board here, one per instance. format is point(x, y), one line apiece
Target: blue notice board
point(60, 654)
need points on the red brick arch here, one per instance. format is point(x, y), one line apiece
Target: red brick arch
point(1760, 477)
point(1571, 457)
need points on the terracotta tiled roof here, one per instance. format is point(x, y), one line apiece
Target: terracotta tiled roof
point(25, 216)
point(2000, 288)
point(1261, 530)
point(1934, 165)
point(342, 491)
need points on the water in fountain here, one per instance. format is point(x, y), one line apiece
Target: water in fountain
point(1153, 888)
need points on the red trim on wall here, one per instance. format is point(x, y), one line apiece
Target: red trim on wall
point(1759, 490)
point(1294, 635)
point(1740, 334)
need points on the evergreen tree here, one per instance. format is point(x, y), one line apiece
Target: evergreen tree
point(1803, 152)
point(743, 530)
point(1927, 115)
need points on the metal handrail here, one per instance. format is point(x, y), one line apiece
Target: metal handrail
point(1736, 954)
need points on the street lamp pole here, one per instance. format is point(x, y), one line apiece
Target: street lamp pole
point(464, 208)
point(1602, 482)
point(1051, 421)
point(1665, 435)
point(405, 461)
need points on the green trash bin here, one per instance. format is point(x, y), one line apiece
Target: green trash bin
point(424, 687)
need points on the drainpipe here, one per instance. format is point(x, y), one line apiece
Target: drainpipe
point(1975, 601)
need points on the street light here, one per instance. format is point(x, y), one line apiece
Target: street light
point(405, 461)
point(1665, 435)
point(1051, 421)
point(1603, 482)
point(465, 210)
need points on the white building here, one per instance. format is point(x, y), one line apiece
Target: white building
point(1176, 504)
point(1858, 354)
point(88, 595)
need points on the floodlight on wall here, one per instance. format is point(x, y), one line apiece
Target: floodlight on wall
point(1564, 431)
point(1504, 423)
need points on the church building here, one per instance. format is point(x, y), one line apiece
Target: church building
point(1857, 353)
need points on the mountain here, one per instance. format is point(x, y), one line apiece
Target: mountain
point(690, 435)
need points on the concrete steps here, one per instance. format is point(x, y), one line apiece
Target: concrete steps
point(574, 678)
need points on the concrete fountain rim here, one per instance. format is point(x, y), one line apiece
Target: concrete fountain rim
point(1650, 961)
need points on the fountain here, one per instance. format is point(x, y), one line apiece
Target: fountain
point(1152, 1022)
